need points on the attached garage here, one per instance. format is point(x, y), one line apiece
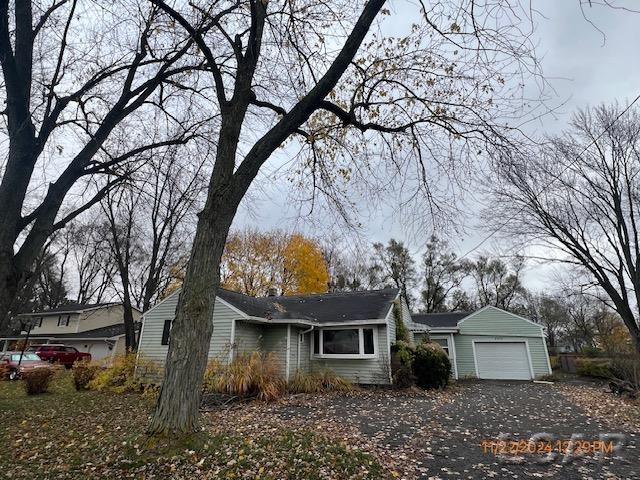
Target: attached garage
point(489, 343)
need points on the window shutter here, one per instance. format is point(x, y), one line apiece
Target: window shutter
point(166, 331)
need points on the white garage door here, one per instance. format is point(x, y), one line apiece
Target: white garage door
point(502, 360)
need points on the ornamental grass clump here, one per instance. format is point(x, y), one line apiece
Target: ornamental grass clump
point(37, 381)
point(318, 382)
point(249, 375)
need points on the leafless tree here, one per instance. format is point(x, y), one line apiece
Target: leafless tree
point(578, 196)
point(497, 283)
point(442, 276)
point(91, 271)
point(77, 75)
point(146, 224)
point(294, 73)
point(392, 265)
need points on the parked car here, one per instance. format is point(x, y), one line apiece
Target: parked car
point(11, 365)
point(62, 354)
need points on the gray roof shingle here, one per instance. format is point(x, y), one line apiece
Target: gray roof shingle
point(335, 307)
point(440, 320)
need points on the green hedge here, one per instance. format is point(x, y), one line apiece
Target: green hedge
point(431, 366)
point(594, 367)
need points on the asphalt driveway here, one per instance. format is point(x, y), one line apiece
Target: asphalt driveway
point(515, 411)
point(439, 435)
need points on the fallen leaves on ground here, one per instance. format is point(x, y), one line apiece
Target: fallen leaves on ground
point(614, 410)
point(391, 426)
point(367, 434)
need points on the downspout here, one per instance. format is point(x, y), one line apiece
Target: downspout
point(300, 337)
point(232, 343)
point(454, 355)
point(288, 351)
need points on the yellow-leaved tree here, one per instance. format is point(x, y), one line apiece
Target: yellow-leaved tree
point(255, 261)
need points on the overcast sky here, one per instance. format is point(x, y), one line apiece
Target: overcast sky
point(585, 63)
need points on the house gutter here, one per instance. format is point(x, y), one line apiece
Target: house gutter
point(312, 323)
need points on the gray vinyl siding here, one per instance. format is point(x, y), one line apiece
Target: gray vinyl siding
point(293, 359)
point(464, 356)
point(539, 356)
point(153, 323)
point(408, 322)
point(373, 371)
point(391, 327)
point(248, 337)
point(149, 346)
point(493, 321)
point(274, 341)
point(305, 352)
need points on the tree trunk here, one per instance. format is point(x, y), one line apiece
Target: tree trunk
point(177, 410)
point(9, 286)
point(129, 323)
point(631, 324)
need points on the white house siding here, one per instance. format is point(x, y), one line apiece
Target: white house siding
point(102, 317)
point(99, 349)
point(151, 338)
point(50, 324)
point(365, 371)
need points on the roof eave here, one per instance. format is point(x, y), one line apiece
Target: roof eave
point(312, 323)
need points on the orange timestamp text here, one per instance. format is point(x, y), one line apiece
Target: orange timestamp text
point(523, 447)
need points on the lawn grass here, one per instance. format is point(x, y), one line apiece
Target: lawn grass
point(69, 434)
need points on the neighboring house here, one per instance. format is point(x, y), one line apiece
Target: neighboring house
point(94, 328)
point(489, 343)
point(350, 333)
point(562, 348)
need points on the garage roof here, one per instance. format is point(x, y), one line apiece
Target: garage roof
point(440, 320)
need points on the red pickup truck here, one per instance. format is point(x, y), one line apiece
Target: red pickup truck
point(62, 354)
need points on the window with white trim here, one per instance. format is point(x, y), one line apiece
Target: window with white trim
point(443, 342)
point(345, 342)
point(63, 320)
